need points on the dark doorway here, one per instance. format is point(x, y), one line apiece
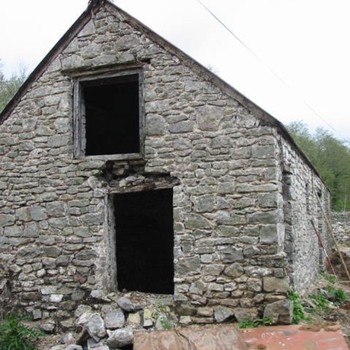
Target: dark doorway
point(145, 241)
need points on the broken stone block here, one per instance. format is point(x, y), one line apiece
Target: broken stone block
point(222, 314)
point(68, 339)
point(147, 318)
point(127, 305)
point(96, 327)
point(84, 317)
point(81, 309)
point(245, 314)
point(120, 337)
point(67, 324)
point(134, 320)
point(280, 312)
point(185, 320)
point(37, 314)
point(99, 295)
point(48, 326)
point(114, 319)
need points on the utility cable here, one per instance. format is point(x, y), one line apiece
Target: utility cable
point(272, 71)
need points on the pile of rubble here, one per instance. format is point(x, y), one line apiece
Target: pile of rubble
point(112, 321)
point(110, 324)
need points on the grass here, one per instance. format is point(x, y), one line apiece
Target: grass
point(329, 277)
point(337, 295)
point(14, 335)
point(320, 302)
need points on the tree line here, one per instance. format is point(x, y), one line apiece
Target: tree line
point(330, 157)
point(8, 87)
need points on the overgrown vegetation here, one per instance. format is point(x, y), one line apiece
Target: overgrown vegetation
point(313, 308)
point(331, 158)
point(8, 87)
point(326, 298)
point(298, 309)
point(15, 335)
point(319, 303)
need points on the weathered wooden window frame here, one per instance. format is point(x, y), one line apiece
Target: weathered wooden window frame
point(79, 119)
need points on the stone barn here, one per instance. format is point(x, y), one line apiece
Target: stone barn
point(126, 166)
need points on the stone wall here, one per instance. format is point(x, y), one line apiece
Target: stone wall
point(341, 227)
point(229, 212)
point(304, 194)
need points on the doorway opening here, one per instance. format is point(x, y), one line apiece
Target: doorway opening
point(145, 241)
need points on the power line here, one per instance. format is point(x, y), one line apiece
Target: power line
point(275, 74)
point(243, 43)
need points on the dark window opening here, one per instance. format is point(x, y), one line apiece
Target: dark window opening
point(112, 115)
point(145, 241)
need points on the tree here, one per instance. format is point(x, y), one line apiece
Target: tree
point(331, 158)
point(8, 87)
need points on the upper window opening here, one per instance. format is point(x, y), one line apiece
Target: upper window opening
point(109, 115)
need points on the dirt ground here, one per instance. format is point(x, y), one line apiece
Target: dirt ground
point(47, 342)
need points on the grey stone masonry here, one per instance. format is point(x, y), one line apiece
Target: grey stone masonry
point(306, 200)
point(341, 227)
point(243, 195)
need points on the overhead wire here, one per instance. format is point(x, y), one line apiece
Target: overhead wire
point(272, 71)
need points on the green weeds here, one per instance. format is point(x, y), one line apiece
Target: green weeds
point(329, 277)
point(14, 335)
point(320, 302)
point(298, 308)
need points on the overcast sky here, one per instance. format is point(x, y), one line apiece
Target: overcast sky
point(301, 66)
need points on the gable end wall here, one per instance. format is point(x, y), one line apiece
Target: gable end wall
point(55, 218)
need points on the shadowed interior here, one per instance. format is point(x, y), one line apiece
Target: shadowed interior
point(145, 241)
point(112, 115)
